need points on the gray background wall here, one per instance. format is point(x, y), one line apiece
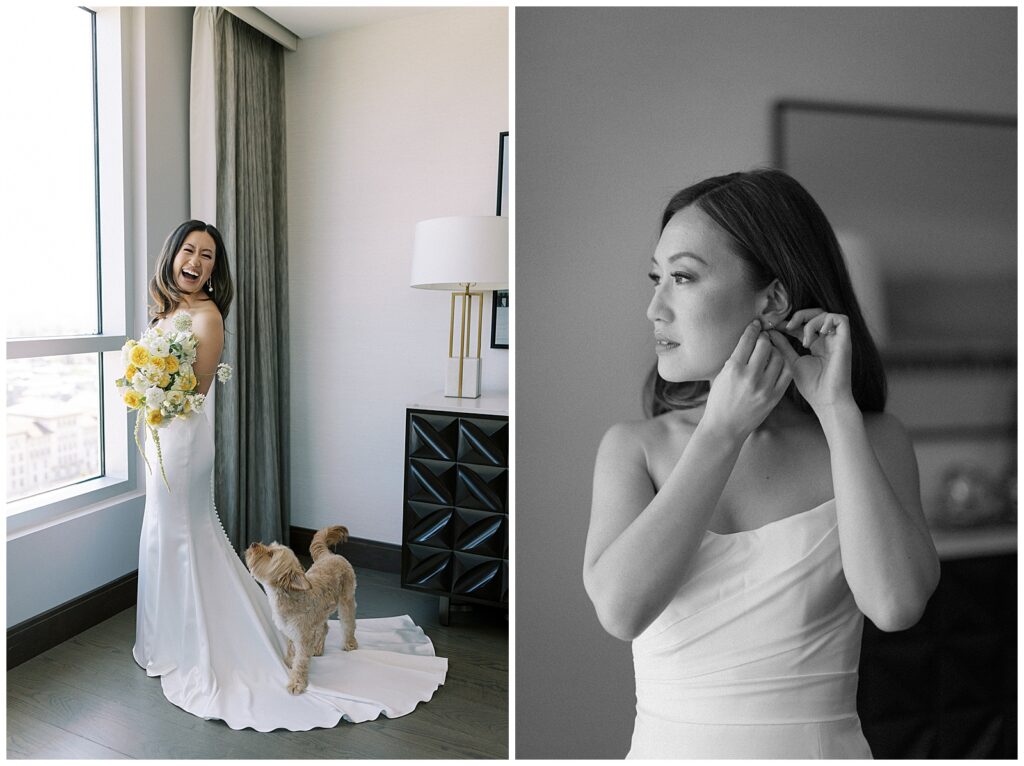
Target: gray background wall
point(616, 109)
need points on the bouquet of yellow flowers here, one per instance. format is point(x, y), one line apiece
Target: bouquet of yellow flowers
point(159, 382)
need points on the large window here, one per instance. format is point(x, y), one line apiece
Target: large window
point(57, 280)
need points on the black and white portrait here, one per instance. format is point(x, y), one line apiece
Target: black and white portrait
point(766, 477)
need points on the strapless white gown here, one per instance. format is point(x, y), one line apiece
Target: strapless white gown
point(204, 626)
point(757, 654)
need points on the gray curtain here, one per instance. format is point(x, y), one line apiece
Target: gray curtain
point(252, 473)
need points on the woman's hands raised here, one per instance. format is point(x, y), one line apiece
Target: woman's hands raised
point(823, 376)
point(752, 381)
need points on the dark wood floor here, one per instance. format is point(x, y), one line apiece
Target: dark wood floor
point(86, 698)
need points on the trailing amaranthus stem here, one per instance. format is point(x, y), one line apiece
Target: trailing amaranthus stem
point(138, 422)
point(159, 456)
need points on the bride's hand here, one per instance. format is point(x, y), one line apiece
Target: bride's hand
point(752, 381)
point(823, 376)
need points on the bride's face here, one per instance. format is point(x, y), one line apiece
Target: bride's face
point(702, 300)
point(193, 263)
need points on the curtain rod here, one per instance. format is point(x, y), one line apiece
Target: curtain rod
point(261, 21)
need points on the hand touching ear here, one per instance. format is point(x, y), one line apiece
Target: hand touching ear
point(823, 377)
point(752, 381)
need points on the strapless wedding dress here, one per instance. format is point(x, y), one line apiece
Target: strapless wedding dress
point(204, 625)
point(757, 654)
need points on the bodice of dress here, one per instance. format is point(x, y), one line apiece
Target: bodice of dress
point(764, 631)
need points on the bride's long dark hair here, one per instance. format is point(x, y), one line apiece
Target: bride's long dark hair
point(779, 232)
point(163, 288)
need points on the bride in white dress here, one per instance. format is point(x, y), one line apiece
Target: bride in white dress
point(739, 536)
point(203, 624)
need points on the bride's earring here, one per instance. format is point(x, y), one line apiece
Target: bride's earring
point(209, 286)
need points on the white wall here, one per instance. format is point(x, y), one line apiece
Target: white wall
point(388, 124)
point(616, 109)
point(100, 544)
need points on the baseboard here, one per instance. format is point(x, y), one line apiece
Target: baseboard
point(384, 557)
point(37, 634)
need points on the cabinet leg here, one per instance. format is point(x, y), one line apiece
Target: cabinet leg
point(443, 609)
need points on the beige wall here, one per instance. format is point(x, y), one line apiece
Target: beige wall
point(388, 124)
point(615, 110)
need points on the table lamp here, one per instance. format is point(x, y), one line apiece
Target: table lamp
point(465, 255)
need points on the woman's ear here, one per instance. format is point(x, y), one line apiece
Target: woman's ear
point(774, 302)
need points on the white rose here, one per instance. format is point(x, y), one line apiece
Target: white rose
point(154, 397)
point(160, 347)
point(140, 384)
point(188, 349)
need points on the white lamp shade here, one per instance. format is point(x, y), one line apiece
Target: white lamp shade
point(451, 252)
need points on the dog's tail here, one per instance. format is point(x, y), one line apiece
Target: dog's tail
point(325, 537)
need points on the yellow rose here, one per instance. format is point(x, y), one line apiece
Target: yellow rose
point(172, 364)
point(130, 372)
point(188, 406)
point(165, 380)
point(154, 417)
point(158, 363)
point(190, 383)
point(132, 398)
point(139, 356)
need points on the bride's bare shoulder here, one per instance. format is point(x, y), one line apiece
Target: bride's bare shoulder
point(207, 317)
point(650, 435)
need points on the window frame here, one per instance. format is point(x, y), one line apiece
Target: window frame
point(115, 305)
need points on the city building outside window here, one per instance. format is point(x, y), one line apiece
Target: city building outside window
point(65, 301)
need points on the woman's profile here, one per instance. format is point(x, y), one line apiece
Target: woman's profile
point(739, 535)
point(202, 623)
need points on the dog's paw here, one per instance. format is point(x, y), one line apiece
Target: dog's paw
point(296, 685)
point(350, 645)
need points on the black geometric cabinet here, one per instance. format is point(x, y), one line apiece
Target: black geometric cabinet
point(455, 525)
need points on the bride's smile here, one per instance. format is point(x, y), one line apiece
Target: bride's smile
point(193, 263)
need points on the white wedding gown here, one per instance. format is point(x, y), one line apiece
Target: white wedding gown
point(204, 626)
point(757, 654)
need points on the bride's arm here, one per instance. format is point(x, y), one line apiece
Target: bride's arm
point(889, 558)
point(208, 327)
point(640, 543)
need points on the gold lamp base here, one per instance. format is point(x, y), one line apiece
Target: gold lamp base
point(462, 376)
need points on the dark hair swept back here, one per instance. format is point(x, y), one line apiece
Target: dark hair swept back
point(163, 287)
point(779, 232)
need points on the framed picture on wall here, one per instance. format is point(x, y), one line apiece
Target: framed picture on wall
point(502, 207)
point(499, 319)
point(500, 300)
